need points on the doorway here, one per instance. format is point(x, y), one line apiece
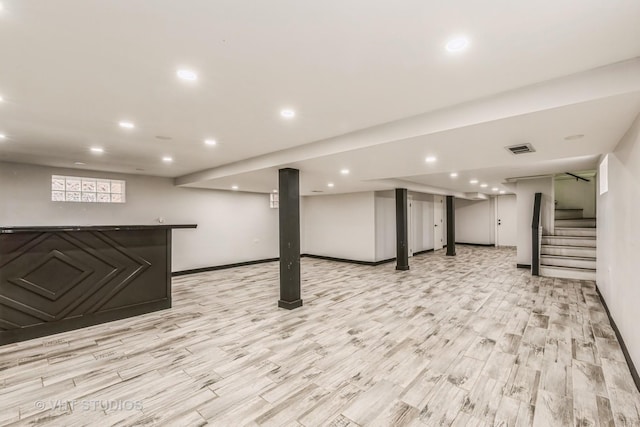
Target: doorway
point(506, 220)
point(438, 224)
point(410, 226)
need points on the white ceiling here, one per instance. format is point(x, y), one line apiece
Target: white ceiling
point(71, 69)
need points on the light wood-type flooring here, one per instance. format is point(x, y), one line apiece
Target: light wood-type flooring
point(465, 341)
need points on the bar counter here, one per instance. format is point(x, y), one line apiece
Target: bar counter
point(60, 278)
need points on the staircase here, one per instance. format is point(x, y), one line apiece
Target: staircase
point(571, 252)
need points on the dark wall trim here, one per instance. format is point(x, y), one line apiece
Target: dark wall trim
point(222, 267)
point(351, 261)
point(528, 266)
point(423, 252)
point(535, 235)
point(492, 245)
point(625, 351)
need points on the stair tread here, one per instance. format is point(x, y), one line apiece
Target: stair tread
point(568, 246)
point(569, 209)
point(569, 257)
point(573, 228)
point(574, 219)
point(568, 268)
point(570, 237)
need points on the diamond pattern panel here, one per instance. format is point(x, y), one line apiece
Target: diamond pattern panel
point(55, 276)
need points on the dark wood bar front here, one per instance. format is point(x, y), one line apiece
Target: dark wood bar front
point(55, 279)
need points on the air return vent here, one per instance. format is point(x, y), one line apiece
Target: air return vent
point(521, 149)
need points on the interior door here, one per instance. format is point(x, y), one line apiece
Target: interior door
point(438, 224)
point(410, 224)
point(506, 220)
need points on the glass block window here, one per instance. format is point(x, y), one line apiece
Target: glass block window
point(274, 201)
point(86, 190)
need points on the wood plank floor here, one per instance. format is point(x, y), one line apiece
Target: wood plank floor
point(463, 341)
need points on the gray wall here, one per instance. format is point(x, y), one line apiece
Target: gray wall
point(232, 227)
point(618, 252)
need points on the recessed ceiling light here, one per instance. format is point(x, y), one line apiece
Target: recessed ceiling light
point(457, 44)
point(167, 159)
point(3, 136)
point(495, 189)
point(187, 75)
point(275, 191)
point(574, 137)
point(210, 141)
point(97, 150)
point(453, 174)
point(473, 181)
point(1, 98)
point(288, 114)
point(79, 163)
point(483, 185)
point(430, 159)
point(345, 171)
point(234, 187)
point(126, 125)
point(330, 185)
point(502, 192)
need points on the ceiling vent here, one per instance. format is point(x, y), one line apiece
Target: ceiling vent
point(317, 191)
point(521, 149)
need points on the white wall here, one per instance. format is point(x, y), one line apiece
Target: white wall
point(232, 227)
point(385, 225)
point(422, 209)
point(525, 193)
point(475, 221)
point(340, 226)
point(577, 194)
point(618, 251)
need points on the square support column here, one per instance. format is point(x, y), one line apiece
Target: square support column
point(402, 242)
point(289, 220)
point(451, 226)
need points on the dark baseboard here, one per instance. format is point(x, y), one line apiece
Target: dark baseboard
point(625, 351)
point(523, 266)
point(351, 261)
point(477, 244)
point(222, 267)
point(422, 252)
point(290, 305)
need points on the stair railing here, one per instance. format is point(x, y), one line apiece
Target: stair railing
point(536, 235)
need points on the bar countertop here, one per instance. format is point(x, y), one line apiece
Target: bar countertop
point(65, 228)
